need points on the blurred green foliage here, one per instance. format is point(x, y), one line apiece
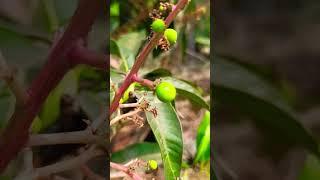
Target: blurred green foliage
point(26, 46)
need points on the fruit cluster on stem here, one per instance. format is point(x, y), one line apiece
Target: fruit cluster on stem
point(153, 42)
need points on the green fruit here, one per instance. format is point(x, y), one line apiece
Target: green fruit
point(158, 25)
point(153, 164)
point(166, 92)
point(171, 35)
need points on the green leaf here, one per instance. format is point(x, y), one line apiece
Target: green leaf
point(36, 125)
point(3, 177)
point(114, 48)
point(129, 46)
point(125, 54)
point(203, 139)
point(203, 40)
point(311, 169)
point(21, 50)
point(116, 76)
point(6, 104)
point(167, 129)
point(235, 85)
point(114, 9)
point(52, 18)
point(27, 32)
point(188, 91)
point(51, 108)
point(144, 151)
point(157, 73)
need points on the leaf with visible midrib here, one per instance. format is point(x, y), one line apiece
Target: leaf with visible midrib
point(236, 85)
point(145, 151)
point(188, 91)
point(167, 129)
point(184, 88)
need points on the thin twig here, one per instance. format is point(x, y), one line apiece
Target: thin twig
point(197, 56)
point(27, 169)
point(99, 121)
point(131, 113)
point(68, 164)
point(117, 175)
point(124, 28)
point(130, 105)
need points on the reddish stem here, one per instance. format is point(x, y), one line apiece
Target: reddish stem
point(143, 55)
point(16, 134)
point(82, 55)
point(144, 82)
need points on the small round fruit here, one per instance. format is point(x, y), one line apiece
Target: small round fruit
point(166, 92)
point(153, 164)
point(171, 35)
point(158, 25)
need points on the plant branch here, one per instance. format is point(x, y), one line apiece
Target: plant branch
point(126, 170)
point(131, 113)
point(143, 55)
point(130, 105)
point(27, 169)
point(68, 164)
point(76, 137)
point(15, 136)
point(98, 122)
point(144, 82)
point(82, 55)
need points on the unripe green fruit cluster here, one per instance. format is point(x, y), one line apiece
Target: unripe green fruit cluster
point(159, 26)
point(166, 92)
point(171, 35)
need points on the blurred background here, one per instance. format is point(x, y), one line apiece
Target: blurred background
point(28, 28)
point(266, 89)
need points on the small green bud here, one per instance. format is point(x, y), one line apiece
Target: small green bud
point(153, 164)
